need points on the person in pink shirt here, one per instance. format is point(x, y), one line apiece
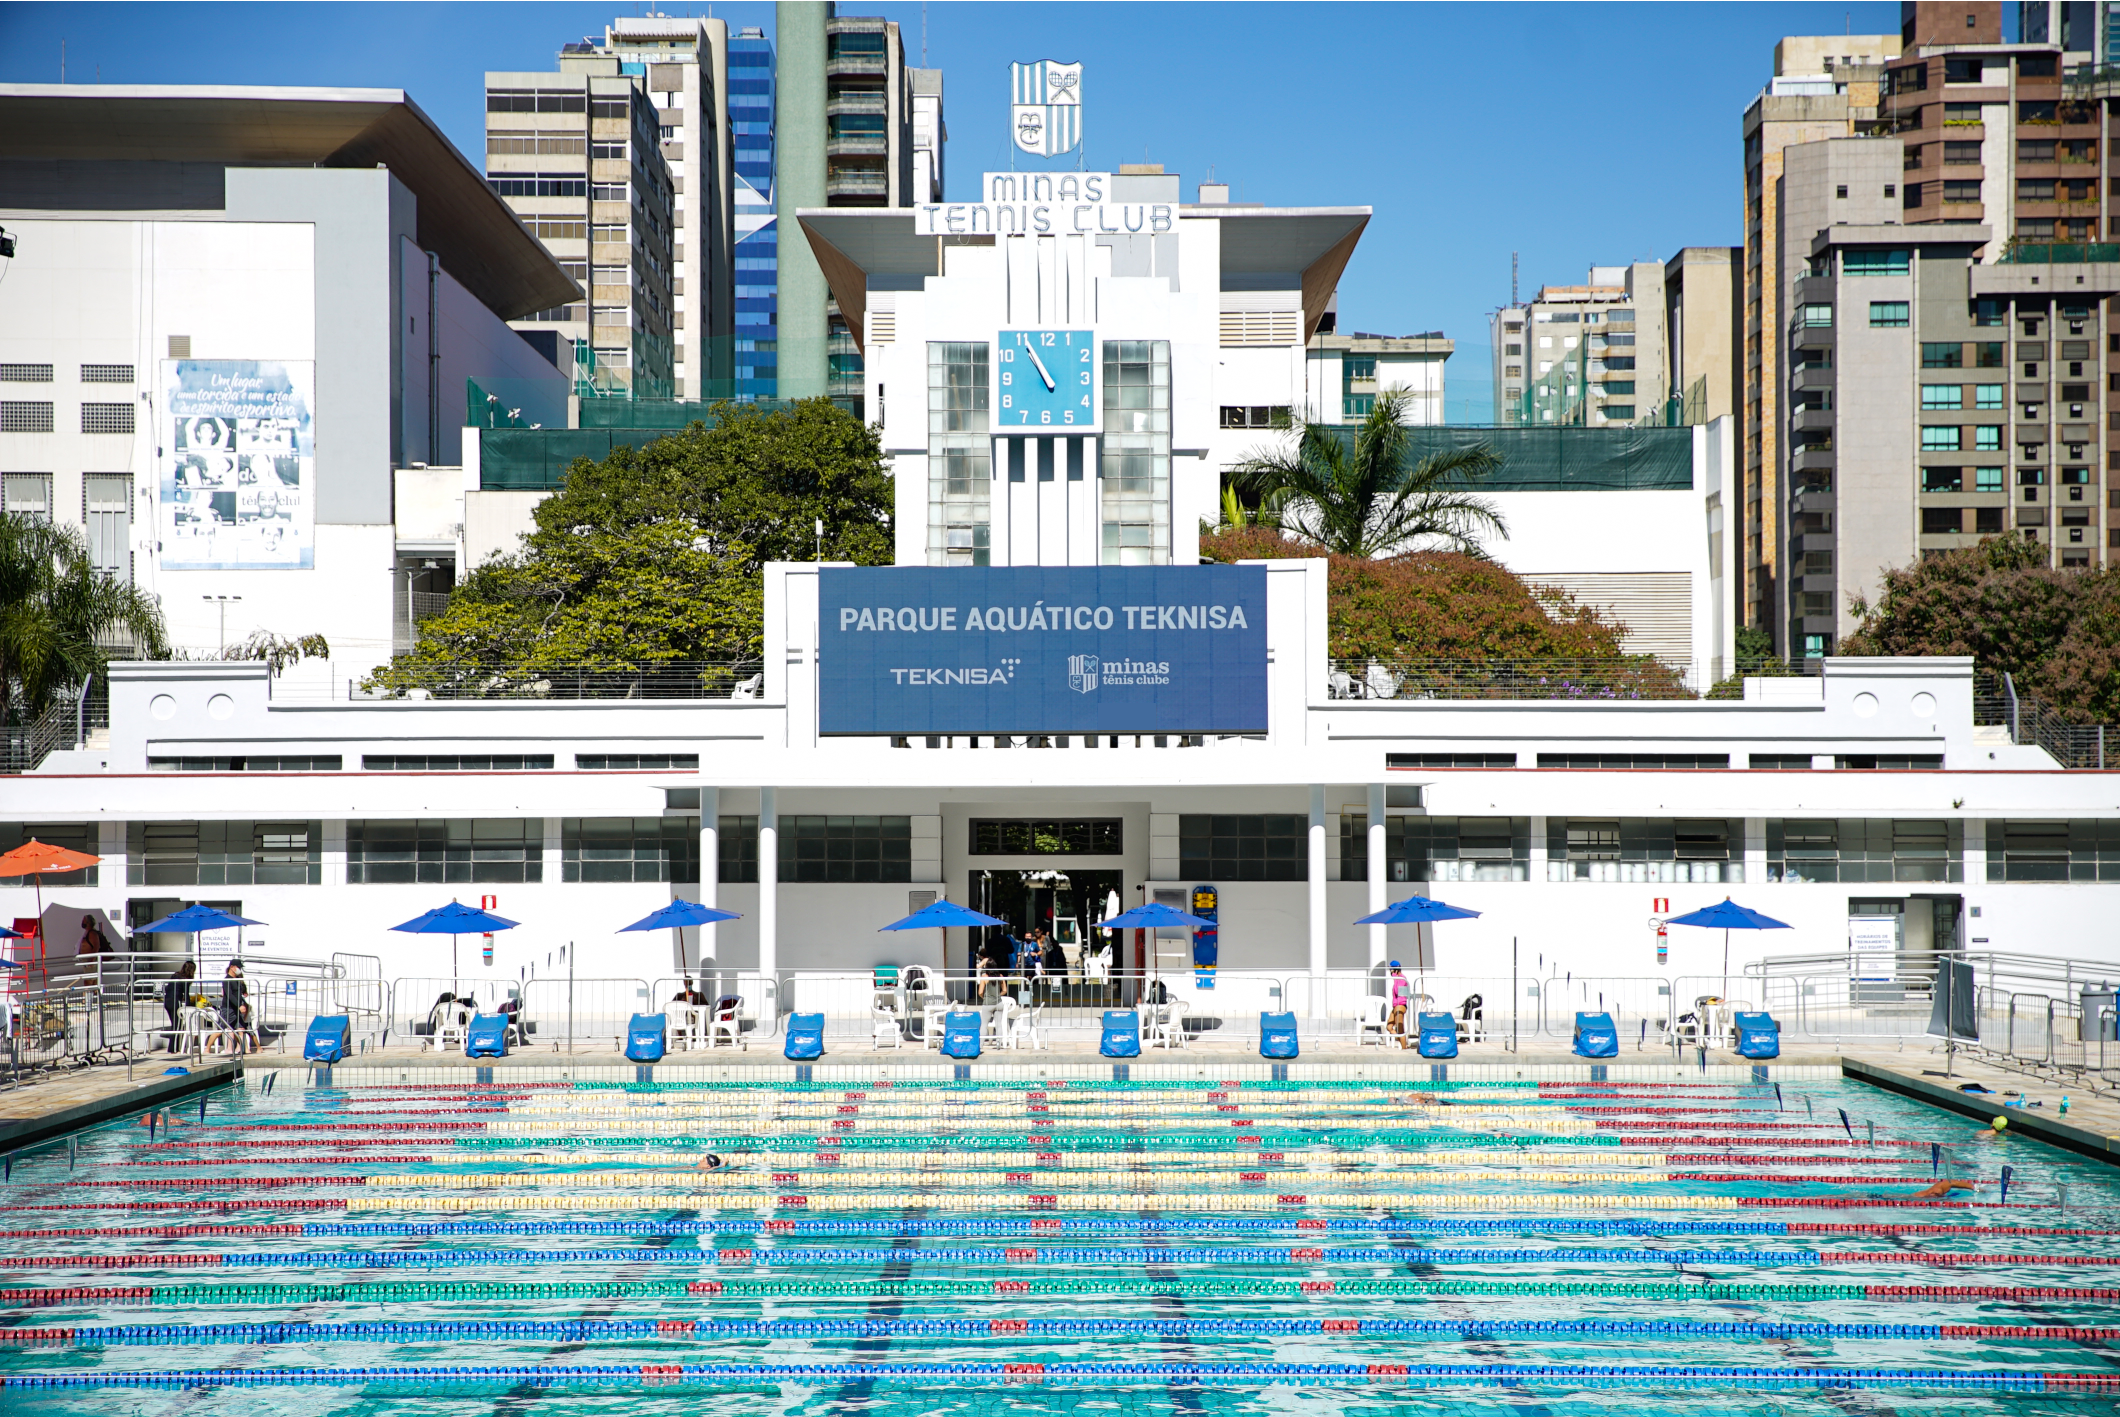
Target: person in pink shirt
point(1401, 995)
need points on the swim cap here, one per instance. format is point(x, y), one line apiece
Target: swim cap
point(1999, 1123)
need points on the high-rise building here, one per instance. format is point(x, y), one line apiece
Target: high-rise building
point(1942, 354)
point(1823, 87)
point(685, 65)
point(1590, 355)
point(757, 229)
point(845, 136)
point(577, 154)
point(1703, 349)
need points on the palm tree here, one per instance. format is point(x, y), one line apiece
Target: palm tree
point(1356, 495)
point(60, 618)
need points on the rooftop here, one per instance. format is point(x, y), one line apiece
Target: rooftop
point(478, 238)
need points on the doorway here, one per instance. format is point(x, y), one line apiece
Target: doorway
point(1065, 901)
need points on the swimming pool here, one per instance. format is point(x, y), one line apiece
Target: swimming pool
point(943, 1244)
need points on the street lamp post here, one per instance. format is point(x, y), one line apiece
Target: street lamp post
point(221, 604)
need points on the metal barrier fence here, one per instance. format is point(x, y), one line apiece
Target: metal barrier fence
point(1636, 677)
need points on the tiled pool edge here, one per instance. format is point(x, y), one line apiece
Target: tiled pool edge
point(124, 1098)
point(2081, 1140)
point(768, 1074)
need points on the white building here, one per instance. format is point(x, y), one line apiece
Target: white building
point(232, 316)
point(1568, 822)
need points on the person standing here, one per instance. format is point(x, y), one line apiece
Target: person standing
point(175, 995)
point(1401, 995)
point(235, 1008)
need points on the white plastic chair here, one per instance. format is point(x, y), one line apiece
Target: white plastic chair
point(452, 1029)
point(1028, 1030)
point(727, 1023)
point(1167, 1025)
point(1000, 1024)
point(932, 1010)
point(687, 1025)
point(1371, 1020)
point(883, 1028)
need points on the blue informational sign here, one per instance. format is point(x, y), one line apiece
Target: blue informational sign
point(1042, 649)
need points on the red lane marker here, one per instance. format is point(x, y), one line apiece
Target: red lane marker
point(149, 1261)
point(46, 1298)
point(676, 1326)
point(36, 1335)
point(704, 1286)
point(2083, 1382)
point(1009, 1326)
point(158, 1232)
point(1342, 1326)
point(1969, 1292)
point(1306, 1254)
point(2062, 1331)
point(732, 1257)
point(1020, 1253)
point(1012, 1286)
point(1872, 1228)
point(1318, 1286)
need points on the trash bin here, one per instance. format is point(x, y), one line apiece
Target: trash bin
point(2101, 1007)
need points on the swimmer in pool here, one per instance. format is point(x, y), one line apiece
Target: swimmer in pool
point(709, 1162)
point(1941, 1190)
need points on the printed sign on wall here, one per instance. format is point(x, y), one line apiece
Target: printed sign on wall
point(238, 465)
point(1046, 649)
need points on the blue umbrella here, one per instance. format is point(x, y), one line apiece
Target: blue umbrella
point(1416, 910)
point(194, 918)
point(675, 916)
point(941, 914)
point(1728, 916)
point(1152, 916)
point(452, 920)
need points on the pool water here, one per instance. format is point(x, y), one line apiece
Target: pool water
point(1342, 1247)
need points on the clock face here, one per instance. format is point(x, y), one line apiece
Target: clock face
point(1045, 381)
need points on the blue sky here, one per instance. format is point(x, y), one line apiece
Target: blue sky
point(1573, 134)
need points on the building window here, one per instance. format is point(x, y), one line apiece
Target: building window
point(1940, 440)
point(1941, 521)
point(1869, 261)
point(1135, 465)
point(1988, 396)
point(453, 762)
point(1961, 193)
point(2035, 189)
point(1987, 438)
point(1960, 153)
point(636, 762)
point(1856, 850)
point(1989, 354)
point(960, 456)
point(1255, 415)
point(1945, 355)
point(1618, 412)
point(1637, 762)
point(1888, 314)
point(2082, 850)
point(1987, 521)
point(1943, 479)
point(737, 850)
point(1266, 847)
point(1645, 850)
point(25, 373)
point(846, 849)
point(27, 494)
point(106, 373)
point(503, 851)
point(233, 853)
point(1088, 836)
point(74, 836)
point(1937, 396)
point(1818, 316)
point(247, 763)
point(25, 417)
point(1987, 479)
point(629, 849)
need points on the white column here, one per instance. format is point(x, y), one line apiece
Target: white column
point(1379, 874)
point(1317, 902)
point(769, 894)
point(709, 870)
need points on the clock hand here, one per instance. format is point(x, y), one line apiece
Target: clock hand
point(1042, 372)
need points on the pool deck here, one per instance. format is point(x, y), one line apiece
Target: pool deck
point(53, 1105)
point(47, 1109)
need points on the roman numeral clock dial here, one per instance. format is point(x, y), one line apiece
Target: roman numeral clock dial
point(1045, 382)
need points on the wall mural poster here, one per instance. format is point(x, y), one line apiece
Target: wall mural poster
point(238, 465)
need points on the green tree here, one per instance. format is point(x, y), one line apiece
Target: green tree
point(1359, 493)
point(1454, 610)
point(61, 619)
point(2055, 632)
point(652, 556)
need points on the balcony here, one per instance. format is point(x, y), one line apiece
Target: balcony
point(1816, 458)
point(857, 145)
point(1811, 420)
point(842, 66)
point(857, 182)
point(1810, 376)
point(863, 101)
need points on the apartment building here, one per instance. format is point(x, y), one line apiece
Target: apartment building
point(1936, 396)
point(685, 66)
point(846, 136)
point(1345, 373)
point(1822, 87)
point(1703, 344)
point(1588, 355)
point(577, 155)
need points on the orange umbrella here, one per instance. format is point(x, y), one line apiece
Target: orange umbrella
point(41, 859)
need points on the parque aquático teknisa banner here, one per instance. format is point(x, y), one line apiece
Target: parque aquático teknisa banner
point(1058, 649)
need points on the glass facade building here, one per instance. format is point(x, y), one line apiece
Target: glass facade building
point(750, 106)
